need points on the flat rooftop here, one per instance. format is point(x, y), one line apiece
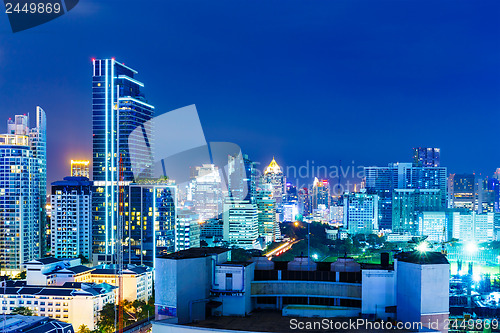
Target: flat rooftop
point(423, 258)
point(273, 321)
point(195, 252)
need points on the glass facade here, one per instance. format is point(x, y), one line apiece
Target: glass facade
point(118, 108)
point(19, 202)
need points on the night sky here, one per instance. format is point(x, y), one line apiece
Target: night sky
point(317, 80)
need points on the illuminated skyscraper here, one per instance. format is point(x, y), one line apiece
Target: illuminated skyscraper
point(464, 191)
point(266, 211)
point(118, 107)
point(22, 191)
point(407, 204)
point(360, 212)
point(80, 169)
point(241, 223)
point(273, 175)
point(320, 194)
point(242, 178)
point(207, 191)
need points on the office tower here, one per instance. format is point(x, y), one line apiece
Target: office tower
point(470, 226)
point(118, 107)
point(304, 201)
point(71, 218)
point(434, 225)
point(149, 218)
point(207, 191)
point(464, 192)
point(408, 204)
point(426, 157)
point(360, 212)
point(337, 214)
point(80, 168)
point(20, 203)
point(274, 175)
point(488, 195)
point(292, 196)
point(241, 223)
point(242, 178)
point(187, 230)
point(266, 214)
point(290, 212)
point(320, 193)
point(384, 180)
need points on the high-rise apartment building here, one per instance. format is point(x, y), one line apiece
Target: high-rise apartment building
point(241, 223)
point(464, 191)
point(118, 108)
point(472, 227)
point(304, 201)
point(426, 157)
point(71, 218)
point(434, 225)
point(22, 191)
point(242, 177)
point(80, 168)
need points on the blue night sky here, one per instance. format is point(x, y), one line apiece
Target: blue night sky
point(321, 80)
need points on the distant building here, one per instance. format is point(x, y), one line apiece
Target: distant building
point(408, 203)
point(290, 212)
point(187, 230)
point(242, 176)
point(212, 228)
point(304, 202)
point(384, 180)
point(320, 193)
point(71, 218)
point(360, 212)
point(434, 225)
point(273, 175)
point(207, 191)
point(266, 214)
point(241, 223)
point(470, 226)
point(426, 157)
point(80, 168)
point(464, 191)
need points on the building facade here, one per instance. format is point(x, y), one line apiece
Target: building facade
point(71, 218)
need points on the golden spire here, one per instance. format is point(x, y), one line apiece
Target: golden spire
point(273, 167)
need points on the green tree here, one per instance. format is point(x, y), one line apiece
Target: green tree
point(106, 322)
point(83, 329)
point(20, 276)
point(21, 310)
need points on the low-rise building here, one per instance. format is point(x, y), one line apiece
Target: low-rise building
point(33, 324)
point(75, 303)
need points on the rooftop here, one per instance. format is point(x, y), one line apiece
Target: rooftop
point(423, 258)
point(195, 252)
point(270, 321)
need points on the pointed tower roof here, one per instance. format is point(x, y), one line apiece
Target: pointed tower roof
point(273, 167)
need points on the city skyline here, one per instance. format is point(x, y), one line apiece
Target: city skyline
point(433, 101)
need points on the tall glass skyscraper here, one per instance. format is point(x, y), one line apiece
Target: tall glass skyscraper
point(118, 108)
point(22, 191)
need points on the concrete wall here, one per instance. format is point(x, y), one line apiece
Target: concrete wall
point(307, 288)
point(408, 291)
point(378, 291)
point(159, 327)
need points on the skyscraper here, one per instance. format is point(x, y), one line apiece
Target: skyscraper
point(407, 204)
point(426, 157)
point(207, 191)
point(71, 228)
point(273, 175)
point(241, 223)
point(22, 173)
point(464, 191)
point(320, 193)
point(80, 168)
point(242, 178)
point(118, 108)
point(266, 211)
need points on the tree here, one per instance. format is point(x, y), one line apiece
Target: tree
point(84, 259)
point(83, 329)
point(106, 322)
point(20, 276)
point(21, 310)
